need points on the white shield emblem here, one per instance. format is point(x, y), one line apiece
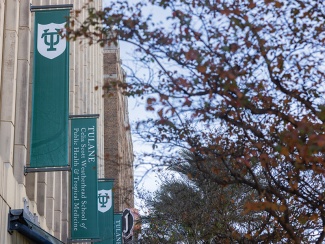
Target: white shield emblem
point(49, 42)
point(104, 200)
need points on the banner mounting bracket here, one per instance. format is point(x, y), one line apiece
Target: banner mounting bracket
point(59, 6)
point(45, 169)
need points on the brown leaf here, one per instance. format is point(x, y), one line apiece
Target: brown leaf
point(201, 69)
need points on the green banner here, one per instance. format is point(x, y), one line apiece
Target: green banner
point(50, 109)
point(84, 182)
point(106, 211)
point(117, 228)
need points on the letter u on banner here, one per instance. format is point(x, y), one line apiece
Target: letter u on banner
point(50, 108)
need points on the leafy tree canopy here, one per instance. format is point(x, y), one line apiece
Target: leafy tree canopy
point(241, 82)
point(194, 209)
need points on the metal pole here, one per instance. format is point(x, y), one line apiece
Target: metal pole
point(35, 8)
point(84, 116)
point(46, 169)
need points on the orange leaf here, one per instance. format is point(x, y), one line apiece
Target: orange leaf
point(278, 4)
point(201, 69)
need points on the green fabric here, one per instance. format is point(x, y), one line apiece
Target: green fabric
point(84, 182)
point(106, 215)
point(50, 110)
point(118, 228)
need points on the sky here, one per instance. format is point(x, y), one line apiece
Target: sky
point(144, 178)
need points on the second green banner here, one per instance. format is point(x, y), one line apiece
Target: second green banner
point(84, 181)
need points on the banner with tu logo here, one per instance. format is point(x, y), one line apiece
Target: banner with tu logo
point(84, 181)
point(50, 109)
point(106, 211)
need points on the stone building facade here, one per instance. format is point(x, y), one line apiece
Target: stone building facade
point(117, 140)
point(46, 194)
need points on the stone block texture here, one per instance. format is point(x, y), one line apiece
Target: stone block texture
point(117, 136)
